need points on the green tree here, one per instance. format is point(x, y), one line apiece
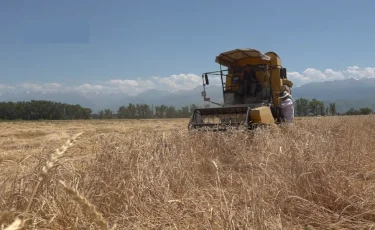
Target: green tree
point(157, 111)
point(171, 112)
point(332, 108)
point(314, 107)
point(185, 111)
point(101, 114)
point(321, 108)
point(365, 111)
point(122, 112)
point(352, 111)
point(108, 114)
point(132, 111)
point(163, 111)
point(147, 111)
point(302, 107)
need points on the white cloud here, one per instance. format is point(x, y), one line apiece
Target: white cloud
point(2, 86)
point(131, 86)
point(128, 86)
point(89, 87)
point(356, 72)
point(295, 76)
point(314, 75)
point(172, 83)
point(180, 82)
point(52, 85)
point(46, 87)
point(35, 87)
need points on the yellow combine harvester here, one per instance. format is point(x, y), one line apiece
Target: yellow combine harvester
point(251, 85)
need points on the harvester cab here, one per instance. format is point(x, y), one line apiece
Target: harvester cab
point(251, 85)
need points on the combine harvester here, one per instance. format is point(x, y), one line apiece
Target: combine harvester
point(247, 104)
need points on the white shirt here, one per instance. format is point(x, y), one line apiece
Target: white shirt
point(287, 108)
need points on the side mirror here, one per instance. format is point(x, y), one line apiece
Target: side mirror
point(283, 73)
point(206, 78)
point(204, 96)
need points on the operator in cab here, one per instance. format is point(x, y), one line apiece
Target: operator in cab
point(287, 107)
point(249, 80)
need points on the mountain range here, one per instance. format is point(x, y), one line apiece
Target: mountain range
point(349, 93)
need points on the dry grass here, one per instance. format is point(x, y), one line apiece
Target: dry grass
point(318, 174)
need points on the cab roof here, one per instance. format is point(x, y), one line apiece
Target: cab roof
point(229, 57)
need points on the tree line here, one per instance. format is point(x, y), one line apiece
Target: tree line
point(305, 107)
point(145, 111)
point(42, 110)
point(49, 110)
point(361, 111)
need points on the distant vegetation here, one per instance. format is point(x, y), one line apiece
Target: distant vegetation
point(144, 111)
point(42, 110)
point(305, 107)
point(361, 111)
point(49, 110)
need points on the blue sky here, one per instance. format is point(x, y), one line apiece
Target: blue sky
point(126, 45)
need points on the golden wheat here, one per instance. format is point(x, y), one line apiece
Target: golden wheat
point(87, 206)
point(16, 225)
point(317, 174)
point(50, 163)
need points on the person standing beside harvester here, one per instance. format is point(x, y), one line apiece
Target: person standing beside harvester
point(287, 107)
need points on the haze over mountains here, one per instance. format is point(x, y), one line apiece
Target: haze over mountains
point(349, 93)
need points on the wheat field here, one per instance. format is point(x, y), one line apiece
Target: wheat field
point(153, 174)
